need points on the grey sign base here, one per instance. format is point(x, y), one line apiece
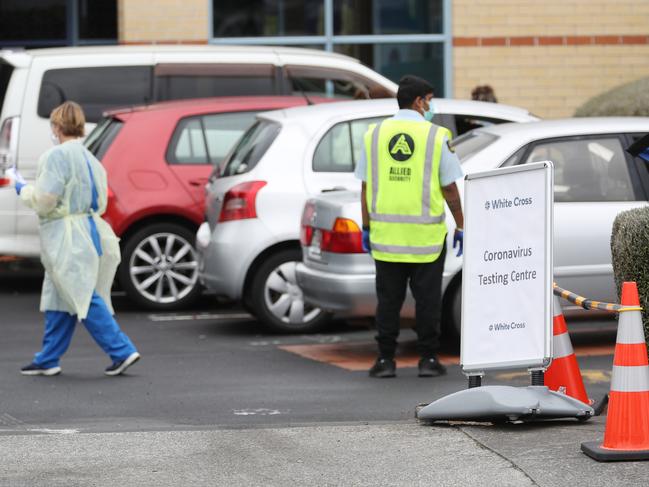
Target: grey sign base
point(594, 450)
point(505, 403)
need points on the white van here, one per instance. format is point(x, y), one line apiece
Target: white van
point(33, 82)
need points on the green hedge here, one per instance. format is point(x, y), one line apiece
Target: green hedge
point(630, 252)
point(628, 100)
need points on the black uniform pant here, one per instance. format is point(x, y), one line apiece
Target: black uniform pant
point(392, 279)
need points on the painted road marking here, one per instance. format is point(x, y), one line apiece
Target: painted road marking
point(357, 356)
point(199, 316)
point(258, 412)
point(53, 431)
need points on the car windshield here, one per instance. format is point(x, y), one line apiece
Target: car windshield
point(470, 143)
point(251, 147)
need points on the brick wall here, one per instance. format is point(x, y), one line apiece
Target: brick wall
point(549, 56)
point(549, 17)
point(163, 21)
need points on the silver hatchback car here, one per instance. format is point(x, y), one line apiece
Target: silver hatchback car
point(595, 179)
point(249, 246)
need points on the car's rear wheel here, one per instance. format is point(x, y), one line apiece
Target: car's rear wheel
point(159, 268)
point(278, 301)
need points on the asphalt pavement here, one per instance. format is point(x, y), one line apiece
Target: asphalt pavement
point(218, 401)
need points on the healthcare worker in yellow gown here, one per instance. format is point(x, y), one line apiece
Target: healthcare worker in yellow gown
point(79, 250)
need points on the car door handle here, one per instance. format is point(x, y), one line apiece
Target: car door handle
point(198, 181)
point(335, 188)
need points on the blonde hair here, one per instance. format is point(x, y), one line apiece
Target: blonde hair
point(69, 119)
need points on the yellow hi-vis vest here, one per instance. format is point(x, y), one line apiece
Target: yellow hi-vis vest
point(403, 193)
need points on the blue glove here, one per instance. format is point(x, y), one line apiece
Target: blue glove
point(458, 238)
point(19, 187)
point(366, 240)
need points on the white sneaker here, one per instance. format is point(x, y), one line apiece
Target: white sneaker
point(35, 369)
point(117, 368)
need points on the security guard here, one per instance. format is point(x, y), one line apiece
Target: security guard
point(408, 170)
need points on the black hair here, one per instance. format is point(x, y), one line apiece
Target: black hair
point(410, 87)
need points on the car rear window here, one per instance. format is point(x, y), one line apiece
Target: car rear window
point(96, 89)
point(5, 75)
point(101, 138)
point(470, 143)
point(251, 147)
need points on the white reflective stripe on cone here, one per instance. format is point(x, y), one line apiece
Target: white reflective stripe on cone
point(630, 378)
point(562, 346)
point(629, 328)
point(557, 307)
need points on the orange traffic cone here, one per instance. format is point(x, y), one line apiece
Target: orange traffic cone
point(627, 426)
point(564, 375)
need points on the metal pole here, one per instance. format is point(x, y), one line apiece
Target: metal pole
point(72, 22)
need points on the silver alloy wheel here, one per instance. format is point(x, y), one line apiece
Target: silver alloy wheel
point(284, 298)
point(164, 268)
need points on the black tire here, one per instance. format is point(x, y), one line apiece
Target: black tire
point(452, 312)
point(277, 303)
point(178, 281)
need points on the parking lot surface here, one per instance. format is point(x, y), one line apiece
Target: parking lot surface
point(218, 401)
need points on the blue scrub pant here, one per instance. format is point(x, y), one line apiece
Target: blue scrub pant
point(59, 327)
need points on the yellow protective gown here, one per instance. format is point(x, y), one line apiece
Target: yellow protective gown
point(62, 198)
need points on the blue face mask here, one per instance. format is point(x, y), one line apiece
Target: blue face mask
point(430, 113)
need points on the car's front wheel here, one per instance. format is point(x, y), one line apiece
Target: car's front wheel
point(159, 268)
point(278, 301)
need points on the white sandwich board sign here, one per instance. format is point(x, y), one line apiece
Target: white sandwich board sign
point(507, 271)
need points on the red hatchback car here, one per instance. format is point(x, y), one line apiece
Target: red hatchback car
point(158, 158)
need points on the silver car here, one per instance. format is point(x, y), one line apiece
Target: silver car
point(595, 179)
point(249, 246)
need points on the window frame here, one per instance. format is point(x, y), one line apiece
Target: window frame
point(326, 132)
point(636, 186)
point(72, 33)
point(170, 157)
point(329, 39)
point(215, 70)
point(175, 136)
point(329, 131)
point(321, 72)
point(43, 81)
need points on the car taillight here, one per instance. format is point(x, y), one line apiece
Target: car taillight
point(9, 142)
point(306, 230)
point(239, 201)
point(344, 238)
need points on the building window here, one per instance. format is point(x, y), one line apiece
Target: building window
point(394, 60)
point(364, 17)
point(394, 37)
point(97, 19)
point(47, 23)
point(261, 18)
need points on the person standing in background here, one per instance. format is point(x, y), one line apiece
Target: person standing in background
point(484, 93)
